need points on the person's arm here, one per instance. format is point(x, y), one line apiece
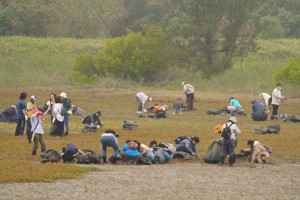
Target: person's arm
point(98, 120)
point(185, 90)
point(81, 152)
point(254, 155)
point(187, 146)
point(92, 119)
point(29, 106)
point(145, 148)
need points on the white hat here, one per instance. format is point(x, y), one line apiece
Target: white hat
point(63, 94)
point(233, 119)
point(183, 83)
point(33, 97)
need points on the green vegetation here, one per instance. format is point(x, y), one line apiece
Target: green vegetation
point(18, 165)
point(290, 73)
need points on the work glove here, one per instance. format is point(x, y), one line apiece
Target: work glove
point(199, 158)
point(98, 126)
point(193, 154)
point(53, 120)
point(45, 113)
point(26, 118)
point(145, 110)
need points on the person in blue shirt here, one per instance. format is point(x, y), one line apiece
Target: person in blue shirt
point(234, 105)
point(256, 106)
point(21, 115)
point(127, 153)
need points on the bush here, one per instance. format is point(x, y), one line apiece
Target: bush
point(290, 73)
point(270, 28)
point(84, 69)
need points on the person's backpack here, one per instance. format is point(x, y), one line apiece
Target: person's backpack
point(213, 153)
point(49, 155)
point(133, 145)
point(179, 139)
point(160, 114)
point(88, 157)
point(129, 125)
point(63, 111)
point(226, 132)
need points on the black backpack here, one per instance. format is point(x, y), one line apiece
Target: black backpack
point(179, 139)
point(226, 132)
point(160, 114)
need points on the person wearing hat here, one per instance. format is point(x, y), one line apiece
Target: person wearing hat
point(234, 105)
point(31, 106)
point(21, 115)
point(93, 118)
point(142, 99)
point(37, 122)
point(67, 105)
point(189, 91)
point(229, 144)
point(68, 154)
point(109, 139)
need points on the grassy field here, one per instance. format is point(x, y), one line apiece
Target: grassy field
point(18, 165)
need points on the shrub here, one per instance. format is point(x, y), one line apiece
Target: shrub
point(84, 69)
point(290, 73)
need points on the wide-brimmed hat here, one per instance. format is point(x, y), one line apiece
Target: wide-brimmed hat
point(233, 119)
point(218, 128)
point(33, 97)
point(63, 94)
point(183, 83)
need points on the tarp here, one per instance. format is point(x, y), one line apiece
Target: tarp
point(50, 156)
point(78, 111)
point(214, 152)
point(274, 128)
point(9, 115)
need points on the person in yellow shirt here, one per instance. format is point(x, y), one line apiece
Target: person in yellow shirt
point(30, 107)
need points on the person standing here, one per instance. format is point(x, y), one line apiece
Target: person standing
point(67, 105)
point(57, 128)
point(276, 96)
point(50, 105)
point(109, 139)
point(266, 100)
point(189, 91)
point(31, 106)
point(21, 115)
point(177, 106)
point(142, 99)
point(37, 123)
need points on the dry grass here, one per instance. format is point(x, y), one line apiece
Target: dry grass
point(18, 165)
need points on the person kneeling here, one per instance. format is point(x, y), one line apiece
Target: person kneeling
point(90, 122)
point(188, 145)
point(259, 153)
point(68, 154)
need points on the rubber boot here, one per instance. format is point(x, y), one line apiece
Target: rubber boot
point(113, 160)
point(104, 160)
point(222, 160)
point(66, 134)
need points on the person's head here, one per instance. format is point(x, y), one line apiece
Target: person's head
point(279, 86)
point(183, 84)
point(98, 113)
point(218, 129)
point(166, 107)
point(233, 120)
point(270, 102)
point(153, 143)
point(253, 102)
point(127, 141)
point(33, 98)
point(63, 96)
point(195, 140)
point(250, 143)
point(231, 98)
point(40, 113)
point(57, 99)
point(52, 96)
point(150, 99)
point(23, 96)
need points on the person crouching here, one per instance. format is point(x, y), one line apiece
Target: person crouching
point(109, 139)
point(259, 153)
point(37, 131)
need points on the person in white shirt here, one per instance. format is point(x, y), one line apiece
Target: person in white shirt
point(57, 128)
point(142, 99)
point(276, 97)
point(37, 122)
point(189, 91)
point(266, 100)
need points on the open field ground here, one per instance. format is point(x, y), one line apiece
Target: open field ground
point(18, 165)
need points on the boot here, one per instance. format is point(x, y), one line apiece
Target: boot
point(33, 152)
point(222, 160)
point(66, 134)
point(231, 161)
point(113, 160)
point(104, 160)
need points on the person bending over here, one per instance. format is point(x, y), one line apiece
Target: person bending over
point(188, 145)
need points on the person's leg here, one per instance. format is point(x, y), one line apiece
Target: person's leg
point(60, 128)
point(192, 101)
point(18, 128)
point(274, 112)
point(66, 120)
point(149, 155)
point(181, 148)
point(231, 108)
point(113, 143)
point(28, 129)
point(103, 141)
point(42, 142)
point(139, 108)
point(231, 152)
point(167, 156)
point(224, 151)
point(36, 143)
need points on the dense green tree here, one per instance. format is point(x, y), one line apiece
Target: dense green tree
point(290, 73)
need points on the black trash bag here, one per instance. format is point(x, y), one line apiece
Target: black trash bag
point(159, 158)
point(214, 152)
point(150, 108)
point(259, 115)
point(89, 128)
point(50, 155)
point(9, 111)
point(88, 150)
point(88, 157)
point(129, 125)
point(143, 161)
point(182, 155)
point(274, 128)
point(160, 114)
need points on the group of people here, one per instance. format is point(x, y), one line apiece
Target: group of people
point(35, 118)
